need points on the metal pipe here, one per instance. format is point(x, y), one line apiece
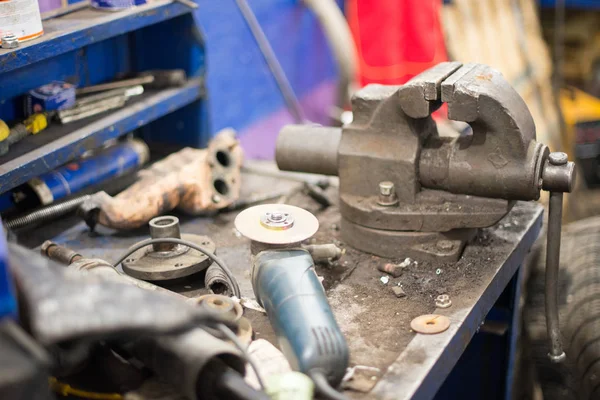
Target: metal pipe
point(312, 149)
point(337, 31)
point(552, 266)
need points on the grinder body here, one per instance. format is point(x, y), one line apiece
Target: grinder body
point(286, 285)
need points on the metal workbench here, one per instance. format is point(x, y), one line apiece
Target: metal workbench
point(393, 362)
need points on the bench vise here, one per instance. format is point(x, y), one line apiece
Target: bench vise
point(406, 191)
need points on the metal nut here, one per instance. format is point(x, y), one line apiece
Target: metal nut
point(443, 301)
point(445, 245)
point(10, 41)
point(387, 194)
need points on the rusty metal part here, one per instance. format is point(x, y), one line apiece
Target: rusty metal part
point(294, 224)
point(192, 180)
point(394, 270)
point(159, 262)
point(442, 184)
point(324, 252)
point(443, 301)
point(164, 227)
point(60, 305)
point(430, 324)
point(221, 305)
point(217, 282)
point(59, 253)
point(77, 262)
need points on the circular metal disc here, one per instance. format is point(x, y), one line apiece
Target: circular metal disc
point(148, 265)
point(248, 223)
point(430, 324)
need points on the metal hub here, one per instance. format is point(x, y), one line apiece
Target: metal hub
point(276, 224)
point(165, 261)
point(277, 220)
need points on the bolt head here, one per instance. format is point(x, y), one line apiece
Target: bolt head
point(10, 41)
point(558, 158)
point(443, 301)
point(386, 188)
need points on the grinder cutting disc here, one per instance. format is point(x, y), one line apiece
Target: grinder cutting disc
point(276, 224)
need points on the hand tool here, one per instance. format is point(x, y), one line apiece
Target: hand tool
point(156, 79)
point(77, 262)
point(192, 180)
point(33, 125)
point(195, 362)
point(99, 103)
point(286, 285)
point(406, 191)
point(75, 176)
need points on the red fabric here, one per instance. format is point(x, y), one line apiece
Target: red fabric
point(396, 39)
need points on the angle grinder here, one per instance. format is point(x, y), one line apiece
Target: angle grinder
point(286, 285)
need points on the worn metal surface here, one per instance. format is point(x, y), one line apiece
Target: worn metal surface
point(192, 180)
point(58, 145)
point(62, 305)
point(84, 27)
point(441, 184)
point(151, 265)
point(423, 365)
point(375, 322)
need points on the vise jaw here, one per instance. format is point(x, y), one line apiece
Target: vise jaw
point(407, 191)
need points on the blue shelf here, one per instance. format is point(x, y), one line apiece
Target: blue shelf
point(60, 144)
point(581, 4)
point(84, 27)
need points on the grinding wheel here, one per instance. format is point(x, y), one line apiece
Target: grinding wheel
point(276, 224)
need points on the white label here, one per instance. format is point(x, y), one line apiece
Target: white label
point(21, 17)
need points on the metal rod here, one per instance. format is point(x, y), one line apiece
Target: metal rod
point(268, 54)
point(552, 267)
point(46, 214)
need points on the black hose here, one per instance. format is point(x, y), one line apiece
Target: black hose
point(208, 253)
point(552, 266)
point(231, 385)
point(236, 341)
point(324, 388)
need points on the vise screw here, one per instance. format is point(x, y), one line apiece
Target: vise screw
point(407, 191)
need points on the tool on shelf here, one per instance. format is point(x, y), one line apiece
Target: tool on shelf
point(192, 180)
point(156, 79)
point(406, 191)
point(98, 103)
point(33, 125)
point(110, 163)
point(286, 285)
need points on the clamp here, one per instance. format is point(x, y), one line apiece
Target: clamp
point(407, 191)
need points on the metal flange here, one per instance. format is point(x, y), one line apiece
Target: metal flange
point(276, 224)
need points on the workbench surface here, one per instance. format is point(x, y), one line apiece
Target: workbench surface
point(395, 362)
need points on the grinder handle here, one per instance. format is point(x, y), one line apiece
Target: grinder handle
point(286, 285)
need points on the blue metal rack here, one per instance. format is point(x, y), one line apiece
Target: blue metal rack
point(87, 47)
